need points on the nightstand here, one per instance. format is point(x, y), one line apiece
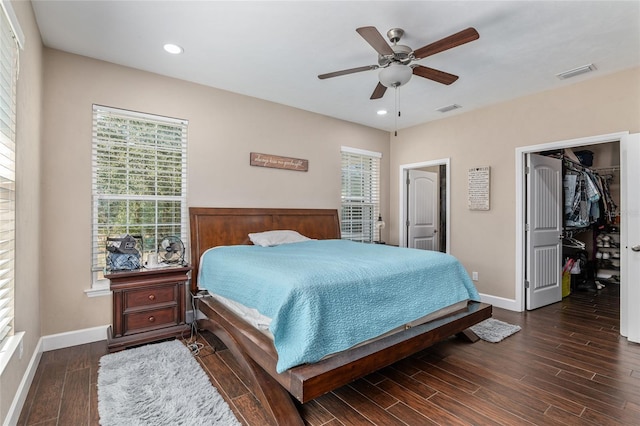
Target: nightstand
point(148, 306)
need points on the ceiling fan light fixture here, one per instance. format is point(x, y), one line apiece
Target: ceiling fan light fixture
point(395, 75)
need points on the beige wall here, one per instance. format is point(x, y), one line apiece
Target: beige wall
point(28, 212)
point(485, 241)
point(223, 129)
point(54, 161)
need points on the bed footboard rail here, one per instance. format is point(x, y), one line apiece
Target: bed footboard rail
point(256, 354)
point(275, 399)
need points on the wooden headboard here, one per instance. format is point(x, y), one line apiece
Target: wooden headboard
point(212, 226)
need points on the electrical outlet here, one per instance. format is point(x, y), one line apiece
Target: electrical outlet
point(474, 276)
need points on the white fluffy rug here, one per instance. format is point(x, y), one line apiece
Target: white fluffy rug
point(493, 330)
point(159, 384)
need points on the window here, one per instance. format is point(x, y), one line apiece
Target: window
point(139, 180)
point(360, 194)
point(8, 81)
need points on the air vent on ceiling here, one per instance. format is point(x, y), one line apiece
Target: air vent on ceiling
point(576, 71)
point(448, 108)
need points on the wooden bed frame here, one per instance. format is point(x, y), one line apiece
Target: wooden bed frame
point(255, 352)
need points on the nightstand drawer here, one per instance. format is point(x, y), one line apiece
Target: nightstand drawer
point(149, 296)
point(149, 320)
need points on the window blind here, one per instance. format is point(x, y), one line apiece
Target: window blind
point(360, 194)
point(8, 80)
point(139, 179)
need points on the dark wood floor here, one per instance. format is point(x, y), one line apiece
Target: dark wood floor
point(568, 365)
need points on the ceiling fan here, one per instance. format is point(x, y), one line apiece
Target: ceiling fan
point(396, 60)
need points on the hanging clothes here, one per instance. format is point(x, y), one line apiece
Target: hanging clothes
point(587, 198)
point(610, 207)
point(581, 193)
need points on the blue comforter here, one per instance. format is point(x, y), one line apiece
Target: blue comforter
point(329, 295)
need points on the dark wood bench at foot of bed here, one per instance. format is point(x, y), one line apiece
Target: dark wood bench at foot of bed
point(255, 352)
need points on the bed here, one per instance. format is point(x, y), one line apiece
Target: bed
point(255, 351)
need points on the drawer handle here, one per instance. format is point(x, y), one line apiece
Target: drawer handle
point(152, 297)
point(152, 319)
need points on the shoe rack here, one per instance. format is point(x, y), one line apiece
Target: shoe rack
point(607, 253)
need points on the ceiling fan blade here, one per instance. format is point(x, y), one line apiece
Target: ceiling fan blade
point(457, 39)
point(435, 75)
point(375, 39)
point(379, 91)
point(349, 71)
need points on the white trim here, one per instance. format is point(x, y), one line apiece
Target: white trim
point(45, 344)
point(629, 216)
point(13, 21)
point(403, 197)
point(74, 338)
point(8, 349)
point(23, 389)
point(521, 198)
point(360, 151)
point(100, 288)
point(499, 302)
point(137, 114)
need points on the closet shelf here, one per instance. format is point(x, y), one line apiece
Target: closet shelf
point(610, 169)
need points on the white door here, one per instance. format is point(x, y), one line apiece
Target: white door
point(543, 231)
point(630, 237)
point(423, 210)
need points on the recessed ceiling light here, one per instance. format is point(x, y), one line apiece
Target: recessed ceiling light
point(174, 49)
point(382, 112)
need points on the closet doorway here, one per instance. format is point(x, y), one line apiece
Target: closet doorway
point(424, 205)
point(573, 218)
point(630, 294)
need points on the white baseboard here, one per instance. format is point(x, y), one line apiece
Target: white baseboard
point(74, 338)
point(45, 344)
point(500, 302)
point(22, 391)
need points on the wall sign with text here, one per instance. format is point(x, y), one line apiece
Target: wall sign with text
point(479, 179)
point(277, 162)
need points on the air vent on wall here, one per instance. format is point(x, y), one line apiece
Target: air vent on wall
point(576, 71)
point(448, 108)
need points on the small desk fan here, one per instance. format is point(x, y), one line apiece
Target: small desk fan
point(171, 250)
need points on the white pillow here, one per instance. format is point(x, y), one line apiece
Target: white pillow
point(275, 238)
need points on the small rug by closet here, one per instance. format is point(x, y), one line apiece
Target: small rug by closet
point(494, 331)
point(158, 384)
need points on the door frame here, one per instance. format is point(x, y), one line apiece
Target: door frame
point(521, 201)
point(402, 211)
point(629, 232)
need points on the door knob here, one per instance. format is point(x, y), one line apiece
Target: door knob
point(636, 248)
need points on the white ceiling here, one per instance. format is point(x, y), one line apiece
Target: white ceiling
point(275, 50)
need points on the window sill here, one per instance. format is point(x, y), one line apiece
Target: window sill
point(100, 288)
point(9, 348)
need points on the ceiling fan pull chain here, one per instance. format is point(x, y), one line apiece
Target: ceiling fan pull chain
point(396, 114)
point(397, 109)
